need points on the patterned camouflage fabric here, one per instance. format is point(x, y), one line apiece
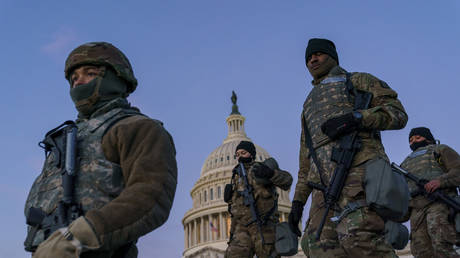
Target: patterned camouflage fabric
point(328, 244)
point(245, 239)
point(432, 235)
point(101, 187)
point(328, 99)
point(101, 53)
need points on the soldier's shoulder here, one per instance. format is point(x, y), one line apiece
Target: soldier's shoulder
point(442, 148)
point(362, 79)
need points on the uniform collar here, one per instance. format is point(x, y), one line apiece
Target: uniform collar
point(116, 103)
point(334, 72)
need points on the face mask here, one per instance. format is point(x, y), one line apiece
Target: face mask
point(244, 160)
point(98, 92)
point(417, 145)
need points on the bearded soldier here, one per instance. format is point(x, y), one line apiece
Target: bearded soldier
point(329, 115)
point(115, 181)
point(249, 235)
point(432, 233)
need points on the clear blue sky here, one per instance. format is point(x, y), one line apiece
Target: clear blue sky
point(189, 55)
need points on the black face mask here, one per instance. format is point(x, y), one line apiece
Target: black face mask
point(245, 160)
point(98, 92)
point(417, 145)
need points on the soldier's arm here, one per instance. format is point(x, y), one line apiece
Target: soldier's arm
point(282, 179)
point(302, 190)
point(386, 111)
point(146, 153)
point(449, 159)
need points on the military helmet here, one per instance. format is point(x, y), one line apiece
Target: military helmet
point(101, 53)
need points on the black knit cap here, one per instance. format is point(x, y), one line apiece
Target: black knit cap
point(422, 131)
point(247, 146)
point(321, 45)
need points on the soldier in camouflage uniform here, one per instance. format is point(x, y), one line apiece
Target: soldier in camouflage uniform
point(432, 233)
point(126, 173)
point(328, 114)
point(245, 238)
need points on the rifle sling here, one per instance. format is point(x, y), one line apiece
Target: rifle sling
point(309, 144)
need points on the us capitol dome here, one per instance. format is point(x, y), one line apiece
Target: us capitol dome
point(207, 223)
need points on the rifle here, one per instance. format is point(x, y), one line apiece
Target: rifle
point(349, 145)
point(248, 200)
point(436, 195)
point(62, 141)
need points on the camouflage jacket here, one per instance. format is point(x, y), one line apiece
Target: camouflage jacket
point(329, 99)
point(265, 194)
point(434, 161)
point(125, 179)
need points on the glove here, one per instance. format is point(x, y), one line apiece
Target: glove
point(69, 242)
point(295, 216)
point(262, 171)
point(341, 125)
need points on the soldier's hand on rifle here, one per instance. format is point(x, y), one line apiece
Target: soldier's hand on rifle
point(432, 185)
point(295, 216)
point(341, 125)
point(69, 242)
point(262, 171)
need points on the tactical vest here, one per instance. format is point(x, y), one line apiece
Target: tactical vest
point(328, 99)
point(422, 163)
point(97, 181)
point(266, 197)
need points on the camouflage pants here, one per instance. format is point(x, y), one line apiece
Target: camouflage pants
point(359, 234)
point(246, 241)
point(432, 235)
point(328, 244)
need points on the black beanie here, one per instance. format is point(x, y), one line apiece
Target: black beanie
point(321, 45)
point(422, 131)
point(247, 146)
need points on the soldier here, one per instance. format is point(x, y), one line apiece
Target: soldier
point(328, 113)
point(245, 234)
point(432, 233)
point(125, 175)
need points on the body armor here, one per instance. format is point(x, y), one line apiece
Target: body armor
point(423, 164)
point(326, 100)
point(97, 182)
point(266, 197)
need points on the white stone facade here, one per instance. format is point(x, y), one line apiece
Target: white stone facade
point(207, 223)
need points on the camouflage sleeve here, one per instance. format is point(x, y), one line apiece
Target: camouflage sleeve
point(282, 179)
point(386, 111)
point(146, 153)
point(450, 161)
point(302, 190)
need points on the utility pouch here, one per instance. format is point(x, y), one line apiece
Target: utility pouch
point(286, 243)
point(228, 192)
point(387, 192)
point(271, 163)
point(396, 234)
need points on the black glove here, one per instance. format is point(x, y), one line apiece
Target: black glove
point(295, 216)
point(262, 171)
point(341, 125)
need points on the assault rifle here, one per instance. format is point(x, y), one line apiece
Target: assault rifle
point(248, 200)
point(435, 196)
point(62, 141)
point(349, 145)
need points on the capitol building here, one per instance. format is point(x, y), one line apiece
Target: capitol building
point(207, 223)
